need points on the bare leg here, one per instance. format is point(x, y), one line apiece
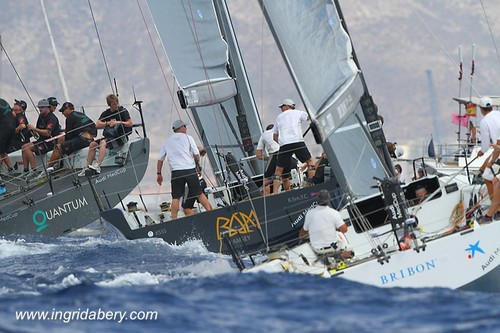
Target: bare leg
point(311, 169)
point(5, 158)
point(91, 154)
point(489, 186)
point(286, 183)
point(174, 209)
point(267, 188)
point(56, 155)
point(26, 149)
point(202, 198)
point(495, 202)
point(276, 180)
point(102, 153)
point(30, 154)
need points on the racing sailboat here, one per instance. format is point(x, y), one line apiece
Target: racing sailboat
point(318, 51)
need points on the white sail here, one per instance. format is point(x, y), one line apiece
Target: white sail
point(196, 50)
point(318, 53)
point(201, 47)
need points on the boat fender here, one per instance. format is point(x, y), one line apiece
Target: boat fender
point(341, 265)
point(405, 243)
point(411, 222)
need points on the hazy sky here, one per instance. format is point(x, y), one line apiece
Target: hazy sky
point(396, 41)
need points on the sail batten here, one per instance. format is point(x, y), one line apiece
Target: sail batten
point(202, 50)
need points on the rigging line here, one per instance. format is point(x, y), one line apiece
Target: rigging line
point(435, 38)
point(102, 49)
point(262, 71)
point(489, 28)
point(54, 51)
point(164, 75)
point(18, 76)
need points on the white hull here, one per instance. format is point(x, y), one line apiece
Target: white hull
point(469, 259)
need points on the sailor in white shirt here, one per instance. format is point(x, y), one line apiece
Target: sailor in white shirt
point(267, 149)
point(183, 157)
point(288, 133)
point(321, 225)
point(489, 127)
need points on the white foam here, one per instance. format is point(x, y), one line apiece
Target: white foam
point(91, 270)
point(21, 248)
point(70, 280)
point(59, 270)
point(133, 279)
point(207, 268)
point(67, 281)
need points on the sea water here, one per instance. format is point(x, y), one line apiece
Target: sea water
point(104, 283)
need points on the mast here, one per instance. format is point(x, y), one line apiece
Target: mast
point(245, 95)
point(370, 110)
point(201, 47)
point(432, 101)
point(54, 50)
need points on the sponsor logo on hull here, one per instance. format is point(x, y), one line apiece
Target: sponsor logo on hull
point(40, 217)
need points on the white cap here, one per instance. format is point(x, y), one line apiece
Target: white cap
point(485, 102)
point(43, 103)
point(178, 124)
point(287, 101)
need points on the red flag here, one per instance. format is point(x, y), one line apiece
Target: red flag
point(470, 109)
point(463, 120)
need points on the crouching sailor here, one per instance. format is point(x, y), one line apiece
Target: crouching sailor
point(322, 224)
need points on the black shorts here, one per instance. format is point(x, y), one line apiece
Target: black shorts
point(68, 147)
point(271, 166)
point(286, 151)
point(16, 145)
point(6, 137)
point(113, 143)
point(189, 201)
point(42, 147)
point(179, 180)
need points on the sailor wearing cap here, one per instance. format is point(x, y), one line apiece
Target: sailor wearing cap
point(183, 156)
point(22, 135)
point(489, 128)
point(47, 127)
point(321, 225)
point(53, 103)
point(288, 133)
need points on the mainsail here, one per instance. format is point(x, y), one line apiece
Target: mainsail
point(319, 56)
point(202, 50)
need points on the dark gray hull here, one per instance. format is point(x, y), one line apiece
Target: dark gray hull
point(70, 202)
point(285, 216)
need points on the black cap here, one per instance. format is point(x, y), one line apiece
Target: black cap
point(66, 105)
point(53, 101)
point(21, 103)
